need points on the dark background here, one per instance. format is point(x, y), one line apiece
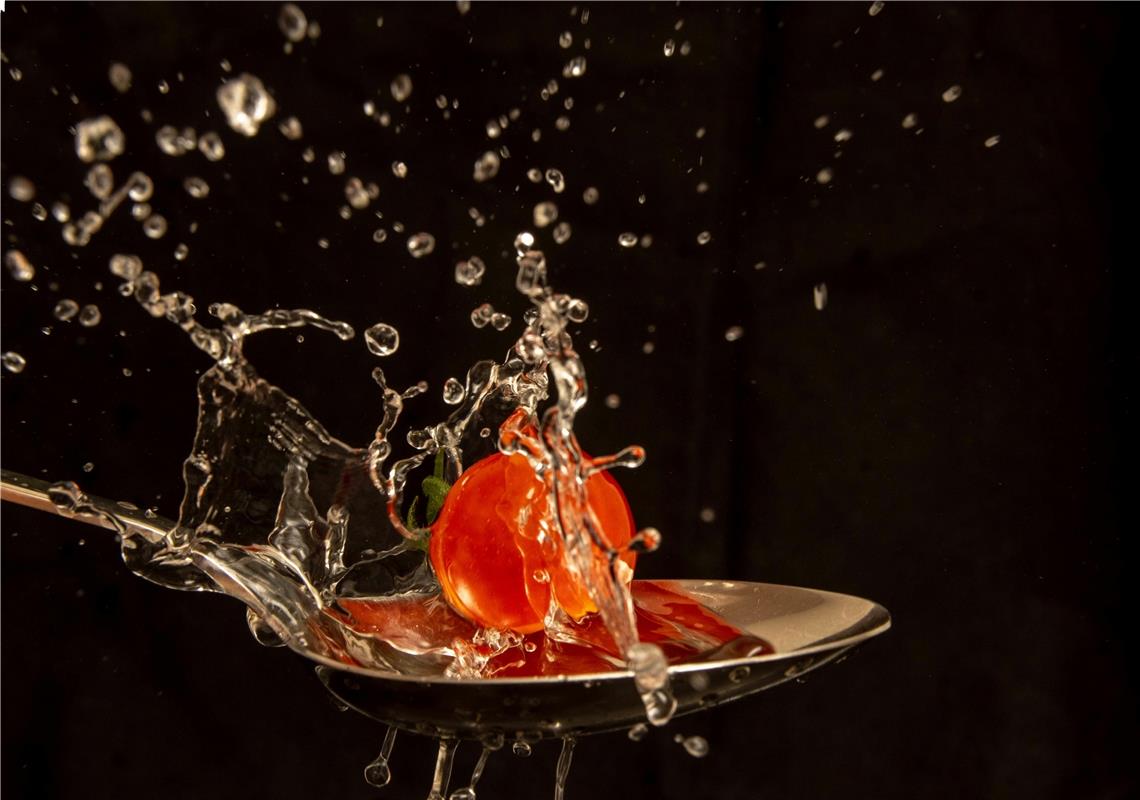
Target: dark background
point(947, 437)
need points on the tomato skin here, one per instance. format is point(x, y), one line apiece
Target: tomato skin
point(495, 537)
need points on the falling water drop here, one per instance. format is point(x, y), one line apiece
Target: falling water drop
point(521, 749)
point(21, 189)
point(952, 94)
point(291, 20)
point(470, 272)
point(453, 392)
point(993, 141)
point(401, 87)
point(670, 46)
point(246, 103)
point(486, 166)
point(90, 316)
point(120, 76)
point(13, 362)
point(875, 8)
point(18, 266)
point(819, 296)
point(65, 310)
point(99, 139)
point(421, 244)
point(627, 239)
point(378, 773)
point(382, 339)
point(544, 214)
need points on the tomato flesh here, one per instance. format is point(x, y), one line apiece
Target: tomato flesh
point(495, 548)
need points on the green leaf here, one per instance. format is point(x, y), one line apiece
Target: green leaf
point(411, 520)
point(435, 490)
point(440, 463)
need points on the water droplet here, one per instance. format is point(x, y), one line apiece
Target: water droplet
point(733, 333)
point(21, 189)
point(453, 392)
point(638, 732)
point(181, 252)
point(154, 226)
point(120, 76)
point(843, 135)
point(565, 39)
point(952, 94)
point(739, 674)
point(88, 467)
point(336, 162)
point(544, 214)
point(486, 166)
point(577, 310)
point(562, 123)
point(819, 296)
point(590, 195)
point(421, 244)
point(291, 129)
point(909, 121)
point(399, 169)
point(686, 48)
point(90, 316)
point(100, 181)
point(993, 141)
point(704, 237)
point(470, 272)
point(824, 176)
point(246, 103)
point(613, 401)
point(556, 180)
point(500, 322)
point(99, 139)
point(481, 316)
point(65, 310)
point(822, 121)
point(521, 749)
point(561, 233)
point(196, 187)
point(401, 87)
point(39, 212)
point(13, 362)
point(627, 239)
point(382, 339)
point(575, 67)
point(379, 235)
point(356, 194)
point(378, 773)
point(18, 266)
point(210, 145)
point(670, 46)
point(708, 515)
point(127, 267)
point(60, 211)
point(875, 8)
point(877, 75)
point(696, 746)
point(291, 20)
point(16, 73)
point(174, 142)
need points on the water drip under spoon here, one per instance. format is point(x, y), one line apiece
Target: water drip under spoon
point(807, 628)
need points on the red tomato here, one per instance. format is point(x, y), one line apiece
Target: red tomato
point(486, 552)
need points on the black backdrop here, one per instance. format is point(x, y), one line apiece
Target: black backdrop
point(947, 436)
